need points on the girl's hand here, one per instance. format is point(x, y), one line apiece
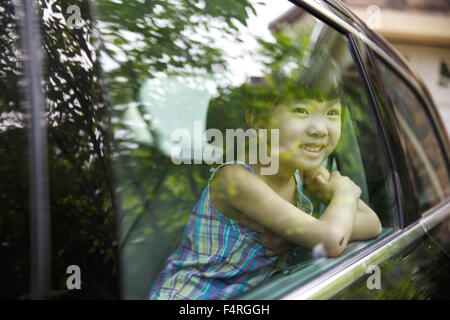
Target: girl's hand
point(318, 186)
point(343, 186)
point(273, 244)
point(325, 185)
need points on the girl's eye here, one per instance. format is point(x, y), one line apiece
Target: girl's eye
point(333, 113)
point(301, 111)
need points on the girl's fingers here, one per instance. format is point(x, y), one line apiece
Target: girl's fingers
point(335, 173)
point(325, 173)
point(321, 181)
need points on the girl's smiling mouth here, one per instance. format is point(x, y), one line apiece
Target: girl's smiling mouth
point(312, 148)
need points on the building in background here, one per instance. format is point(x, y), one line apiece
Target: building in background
point(418, 29)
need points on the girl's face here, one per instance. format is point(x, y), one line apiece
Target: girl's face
point(309, 132)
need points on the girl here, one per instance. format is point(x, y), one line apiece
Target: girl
point(221, 258)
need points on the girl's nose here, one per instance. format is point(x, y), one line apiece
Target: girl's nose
point(317, 129)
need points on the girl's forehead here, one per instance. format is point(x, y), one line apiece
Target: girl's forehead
point(312, 103)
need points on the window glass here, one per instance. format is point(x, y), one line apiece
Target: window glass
point(14, 190)
point(195, 84)
point(423, 150)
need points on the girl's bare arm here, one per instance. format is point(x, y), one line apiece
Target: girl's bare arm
point(235, 188)
point(367, 225)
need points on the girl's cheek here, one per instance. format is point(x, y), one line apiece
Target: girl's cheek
point(296, 127)
point(335, 131)
point(290, 130)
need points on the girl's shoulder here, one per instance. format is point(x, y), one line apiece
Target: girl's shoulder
point(232, 183)
point(233, 175)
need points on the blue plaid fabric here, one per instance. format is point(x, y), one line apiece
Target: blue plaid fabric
point(218, 258)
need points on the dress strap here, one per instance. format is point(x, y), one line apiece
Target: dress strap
point(303, 201)
point(298, 181)
point(214, 170)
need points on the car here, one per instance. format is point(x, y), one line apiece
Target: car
point(107, 119)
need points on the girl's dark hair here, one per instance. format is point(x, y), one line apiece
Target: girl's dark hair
point(322, 79)
point(301, 93)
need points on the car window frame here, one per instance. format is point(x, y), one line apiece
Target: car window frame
point(390, 133)
point(357, 52)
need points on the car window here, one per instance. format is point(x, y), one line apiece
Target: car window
point(430, 172)
point(187, 82)
point(14, 189)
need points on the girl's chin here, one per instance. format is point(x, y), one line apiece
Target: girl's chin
point(302, 162)
point(307, 168)
point(309, 164)
point(302, 166)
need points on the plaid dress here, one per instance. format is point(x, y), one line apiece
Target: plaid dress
point(218, 258)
